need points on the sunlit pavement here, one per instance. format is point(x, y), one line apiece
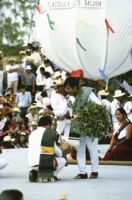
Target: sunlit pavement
point(114, 182)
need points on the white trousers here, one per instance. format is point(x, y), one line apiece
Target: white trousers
point(61, 163)
point(14, 85)
point(81, 154)
point(3, 162)
point(67, 129)
point(1, 81)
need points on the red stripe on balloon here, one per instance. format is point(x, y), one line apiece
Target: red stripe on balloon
point(38, 8)
point(108, 27)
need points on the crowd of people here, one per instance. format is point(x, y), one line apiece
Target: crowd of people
point(37, 88)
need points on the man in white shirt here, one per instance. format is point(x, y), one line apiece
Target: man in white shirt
point(128, 108)
point(116, 103)
point(35, 150)
point(12, 75)
point(83, 95)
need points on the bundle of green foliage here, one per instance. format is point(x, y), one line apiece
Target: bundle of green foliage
point(94, 120)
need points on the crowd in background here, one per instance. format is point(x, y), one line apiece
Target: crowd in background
point(32, 86)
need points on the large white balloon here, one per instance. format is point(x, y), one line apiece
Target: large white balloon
point(88, 35)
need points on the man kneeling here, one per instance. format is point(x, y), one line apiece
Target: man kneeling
point(42, 148)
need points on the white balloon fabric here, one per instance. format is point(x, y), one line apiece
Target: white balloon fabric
point(87, 35)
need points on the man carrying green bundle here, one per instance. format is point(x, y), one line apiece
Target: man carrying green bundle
point(82, 96)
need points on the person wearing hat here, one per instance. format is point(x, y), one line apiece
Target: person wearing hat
point(12, 75)
point(116, 103)
point(28, 79)
point(15, 114)
point(34, 126)
point(31, 115)
point(104, 100)
point(128, 108)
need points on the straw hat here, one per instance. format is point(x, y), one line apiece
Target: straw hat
point(130, 96)
point(34, 123)
point(31, 107)
point(16, 109)
point(56, 74)
point(11, 59)
point(39, 105)
point(23, 133)
point(41, 111)
point(28, 67)
point(103, 93)
point(66, 148)
point(7, 138)
point(118, 93)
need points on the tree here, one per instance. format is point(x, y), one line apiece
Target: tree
point(16, 21)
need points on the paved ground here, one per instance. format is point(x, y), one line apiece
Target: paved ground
point(114, 182)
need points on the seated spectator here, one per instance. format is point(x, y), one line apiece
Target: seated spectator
point(121, 142)
point(23, 124)
point(23, 140)
point(11, 195)
point(31, 115)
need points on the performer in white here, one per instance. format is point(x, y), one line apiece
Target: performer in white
point(116, 103)
point(128, 108)
point(35, 143)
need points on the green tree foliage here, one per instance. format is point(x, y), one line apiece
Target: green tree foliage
point(16, 21)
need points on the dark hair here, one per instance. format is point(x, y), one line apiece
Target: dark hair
point(44, 94)
point(122, 111)
point(11, 195)
point(42, 69)
point(23, 86)
point(72, 82)
point(47, 74)
point(47, 61)
point(44, 121)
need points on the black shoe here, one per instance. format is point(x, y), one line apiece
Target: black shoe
point(81, 176)
point(56, 179)
point(33, 175)
point(93, 175)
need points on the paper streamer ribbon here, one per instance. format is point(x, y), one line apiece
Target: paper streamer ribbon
point(108, 27)
point(78, 41)
point(51, 23)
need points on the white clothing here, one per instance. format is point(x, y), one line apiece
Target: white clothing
point(48, 82)
point(38, 97)
point(46, 102)
point(92, 145)
point(81, 154)
point(13, 76)
point(128, 108)
point(3, 162)
point(49, 69)
point(106, 104)
point(58, 104)
point(122, 133)
point(1, 81)
point(114, 106)
point(34, 150)
point(40, 79)
point(31, 118)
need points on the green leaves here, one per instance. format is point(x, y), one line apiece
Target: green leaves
point(94, 120)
